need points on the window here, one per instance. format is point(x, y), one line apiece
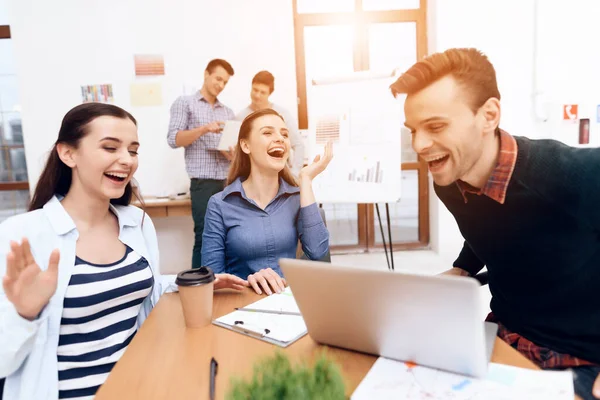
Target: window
point(328, 6)
point(404, 215)
point(383, 5)
point(14, 186)
point(338, 37)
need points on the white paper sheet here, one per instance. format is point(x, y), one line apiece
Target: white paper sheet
point(229, 136)
point(389, 379)
point(279, 327)
point(277, 302)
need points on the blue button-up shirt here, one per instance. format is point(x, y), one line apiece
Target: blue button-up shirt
point(202, 158)
point(240, 238)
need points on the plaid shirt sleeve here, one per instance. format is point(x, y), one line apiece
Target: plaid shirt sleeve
point(543, 357)
point(179, 120)
point(211, 140)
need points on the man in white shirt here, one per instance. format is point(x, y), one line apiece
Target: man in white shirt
point(263, 85)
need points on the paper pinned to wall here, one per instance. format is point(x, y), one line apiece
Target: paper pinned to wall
point(389, 379)
point(146, 94)
point(149, 64)
point(97, 93)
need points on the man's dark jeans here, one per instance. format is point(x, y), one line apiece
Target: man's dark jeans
point(201, 191)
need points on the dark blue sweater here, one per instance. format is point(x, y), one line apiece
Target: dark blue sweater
point(541, 247)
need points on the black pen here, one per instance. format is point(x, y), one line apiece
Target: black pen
point(213, 373)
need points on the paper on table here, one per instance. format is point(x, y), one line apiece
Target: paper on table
point(389, 379)
point(277, 302)
point(281, 327)
point(229, 136)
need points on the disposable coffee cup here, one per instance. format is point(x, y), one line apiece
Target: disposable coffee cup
point(196, 294)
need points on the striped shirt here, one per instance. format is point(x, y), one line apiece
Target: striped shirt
point(202, 159)
point(99, 319)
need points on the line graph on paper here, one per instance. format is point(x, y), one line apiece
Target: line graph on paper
point(417, 383)
point(390, 379)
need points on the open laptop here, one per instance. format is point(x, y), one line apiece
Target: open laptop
point(433, 321)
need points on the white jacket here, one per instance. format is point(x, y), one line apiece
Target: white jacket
point(28, 348)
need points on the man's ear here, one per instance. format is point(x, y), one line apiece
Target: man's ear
point(65, 153)
point(244, 146)
point(206, 75)
point(491, 113)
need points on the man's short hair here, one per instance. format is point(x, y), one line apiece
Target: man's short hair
point(469, 67)
point(265, 78)
point(217, 62)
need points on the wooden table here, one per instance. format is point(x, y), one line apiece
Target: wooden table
point(158, 208)
point(167, 361)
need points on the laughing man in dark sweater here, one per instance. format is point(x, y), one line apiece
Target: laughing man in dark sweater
point(529, 210)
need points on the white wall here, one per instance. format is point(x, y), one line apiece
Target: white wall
point(503, 30)
point(568, 65)
point(4, 13)
point(566, 71)
point(63, 44)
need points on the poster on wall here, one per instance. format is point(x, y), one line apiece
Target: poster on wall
point(146, 94)
point(149, 64)
point(97, 93)
point(570, 112)
point(366, 133)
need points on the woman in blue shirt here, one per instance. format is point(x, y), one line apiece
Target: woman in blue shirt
point(259, 217)
point(85, 273)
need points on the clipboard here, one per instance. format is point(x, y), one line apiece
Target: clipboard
point(278, 326)
point(229, 135)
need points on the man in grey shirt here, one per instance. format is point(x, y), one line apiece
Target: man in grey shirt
point(196, 123)
point(263, 85)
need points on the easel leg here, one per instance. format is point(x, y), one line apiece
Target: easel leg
point(387, 211)
point(383, 235)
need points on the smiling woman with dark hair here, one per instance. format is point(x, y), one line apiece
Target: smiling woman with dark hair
point(80, 270)
point(263, 211)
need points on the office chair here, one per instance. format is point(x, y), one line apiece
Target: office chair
point(300, 254)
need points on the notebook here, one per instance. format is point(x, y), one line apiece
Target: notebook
point(281, 326)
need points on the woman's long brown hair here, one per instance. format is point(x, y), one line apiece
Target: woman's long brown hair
point(56, 175)
point(240, 166)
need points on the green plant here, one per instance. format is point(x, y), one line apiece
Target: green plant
point(275, 378)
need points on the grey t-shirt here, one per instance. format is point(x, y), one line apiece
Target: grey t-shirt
point(296, 160)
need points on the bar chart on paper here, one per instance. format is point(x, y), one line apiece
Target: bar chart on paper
point(366, 174)
point(366, 134)
point(371, 175)
point(328, 129)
